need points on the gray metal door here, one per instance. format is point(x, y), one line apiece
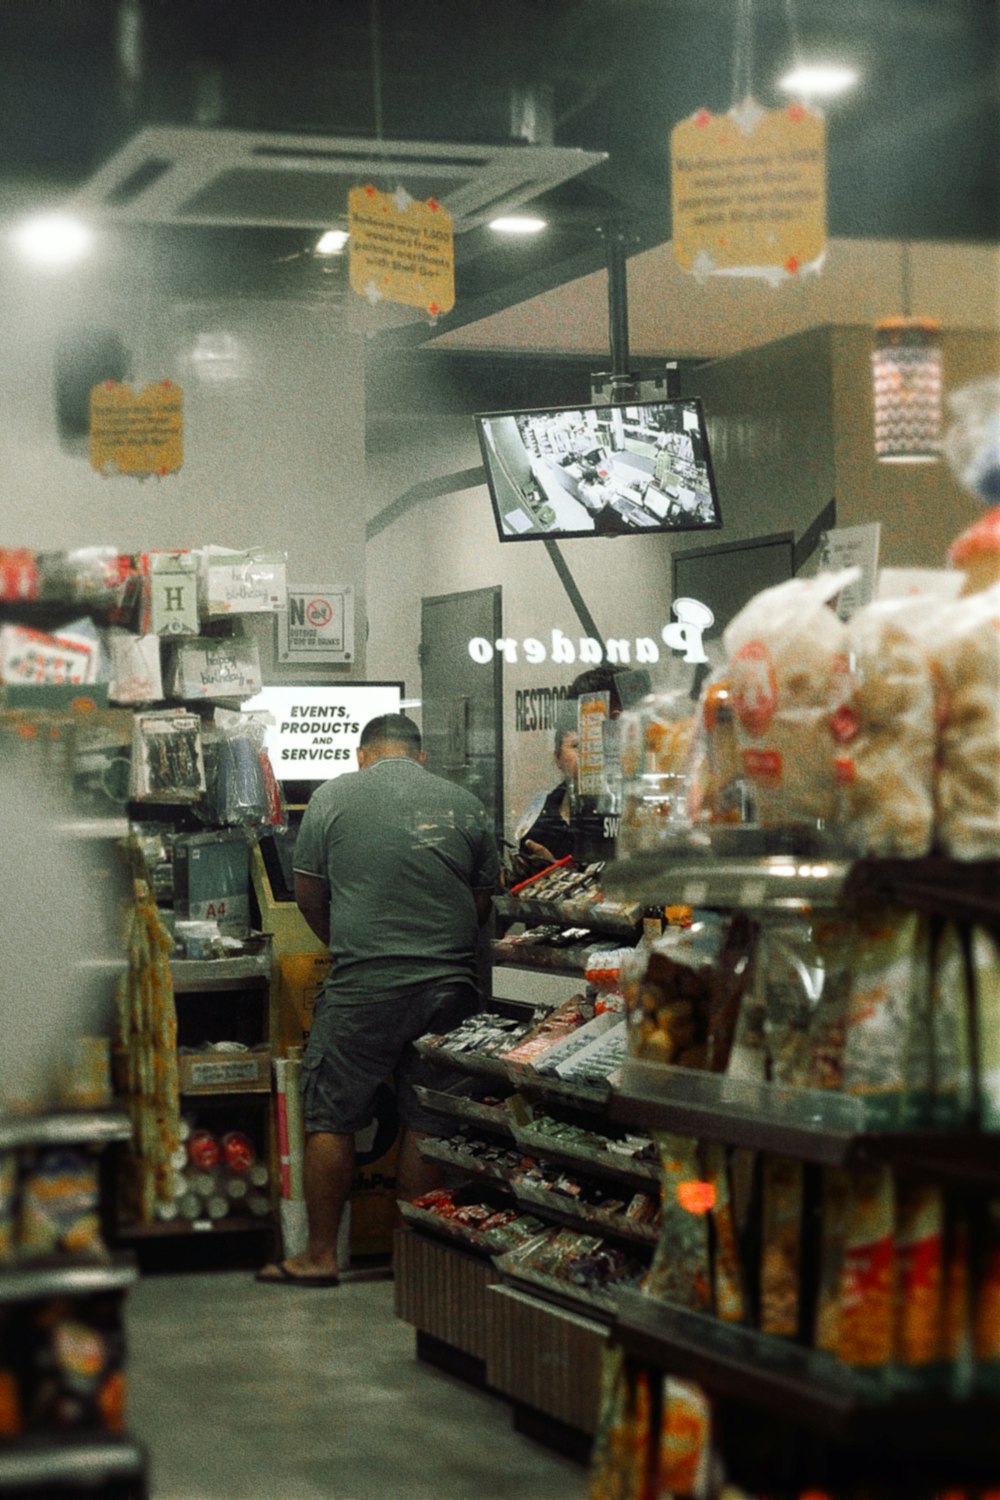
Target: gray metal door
point(462, 725)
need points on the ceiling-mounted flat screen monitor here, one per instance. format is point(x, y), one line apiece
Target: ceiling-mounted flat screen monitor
point(628, 469)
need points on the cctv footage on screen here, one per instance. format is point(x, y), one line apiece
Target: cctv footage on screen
point(611, 470)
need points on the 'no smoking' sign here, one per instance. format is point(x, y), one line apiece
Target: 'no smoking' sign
point(318, 625)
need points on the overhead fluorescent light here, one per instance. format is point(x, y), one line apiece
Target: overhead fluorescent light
point(819, 80)
point(54, 240)
point(332, 242)
point(518, 224)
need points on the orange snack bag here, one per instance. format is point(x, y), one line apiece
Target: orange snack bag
point(867, 1280)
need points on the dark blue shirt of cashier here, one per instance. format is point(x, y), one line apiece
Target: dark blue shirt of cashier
point(394, 871)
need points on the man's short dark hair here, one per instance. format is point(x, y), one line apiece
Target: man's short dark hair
point(391, 729)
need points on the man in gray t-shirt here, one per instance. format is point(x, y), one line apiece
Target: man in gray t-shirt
point(394, 869)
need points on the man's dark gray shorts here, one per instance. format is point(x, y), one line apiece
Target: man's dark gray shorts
point(354, 1047)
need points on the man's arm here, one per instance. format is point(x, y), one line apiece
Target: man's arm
point(484, 903)
point(312, 897)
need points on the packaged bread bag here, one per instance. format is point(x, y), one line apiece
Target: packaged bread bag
point(967, 661)
point(790, 684)
point(889, 793)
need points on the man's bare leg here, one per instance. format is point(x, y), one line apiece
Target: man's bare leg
point(328, 1171)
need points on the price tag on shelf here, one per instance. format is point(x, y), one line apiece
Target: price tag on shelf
point(202, 1224)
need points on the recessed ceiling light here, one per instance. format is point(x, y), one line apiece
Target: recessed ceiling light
point(332, 242)
point(54, 240)
point(518, 224)
point(819, 80)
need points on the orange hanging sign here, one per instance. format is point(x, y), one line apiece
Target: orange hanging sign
point(749, 191)
point(137, 433)
point(401, 250)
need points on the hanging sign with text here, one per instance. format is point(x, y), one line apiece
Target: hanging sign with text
point(401, 250)
point(137, 432)
point(318, 624)
point(749, 192)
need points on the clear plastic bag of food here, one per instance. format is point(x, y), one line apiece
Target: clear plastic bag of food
point(889, 794)
point(790, 683)
point(967, 661)
point(655, 741)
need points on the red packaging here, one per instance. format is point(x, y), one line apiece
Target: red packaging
point(238, 1151)
point(204, 1150)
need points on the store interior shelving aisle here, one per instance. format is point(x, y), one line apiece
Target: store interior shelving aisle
point(246, 1392)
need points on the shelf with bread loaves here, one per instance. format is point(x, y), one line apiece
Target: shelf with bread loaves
point(147, 658)
point(822, 1306)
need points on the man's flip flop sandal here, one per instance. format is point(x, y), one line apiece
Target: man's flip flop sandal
point(287, 1277)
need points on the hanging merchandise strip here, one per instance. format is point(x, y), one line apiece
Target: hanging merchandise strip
point(147, 1043)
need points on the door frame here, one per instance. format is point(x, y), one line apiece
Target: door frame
point(495, 593)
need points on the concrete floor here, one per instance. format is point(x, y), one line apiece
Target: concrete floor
point(247, 1392)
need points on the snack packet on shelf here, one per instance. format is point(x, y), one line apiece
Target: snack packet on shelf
point(957, 1317)
point(793, 986)
point(655, 742)
point(59, 1207)
point(788, 669)
point(919, 1279)
point(715, 788)
point(951, 1101)
point(885, 969)
point(727, 1270)
point(889, 797)
point(986, 972)
point(781, 1236)
point(685, 1451)
point(868, 1272)
point(986, 1324)
point(680, 1271)
point(835, 1198)
point(668, 1005)
point(967, 661)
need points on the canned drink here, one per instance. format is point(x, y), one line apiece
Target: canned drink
point(236, 1187)
point(179, 1159)
point(189, 1207)
point(217, 1206)
point(259, 1204)
point(258, 1175)
point(201, 1183)
point(167, 1211)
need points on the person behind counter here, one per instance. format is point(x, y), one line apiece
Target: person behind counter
point(545, 833)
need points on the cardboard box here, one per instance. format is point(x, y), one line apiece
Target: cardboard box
point(300, 979)
point(212, 881)
point(224, 1072)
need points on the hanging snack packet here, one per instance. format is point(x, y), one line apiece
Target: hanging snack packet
point(878, 1016)
point(951, 1068)
point(833, 1228)
point(685, 1442)
point(986, 1326)
point(793, 985)
point(867, 1281)
point(967, 659)
point(832, 937)
point(680, 1270)
point(919, 1279)
point(727, 1278)
point(668, 1008)
point(890, 795)
point(607, 1478)
point(781, 1235)
point(986, 969)
point(787, 664)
